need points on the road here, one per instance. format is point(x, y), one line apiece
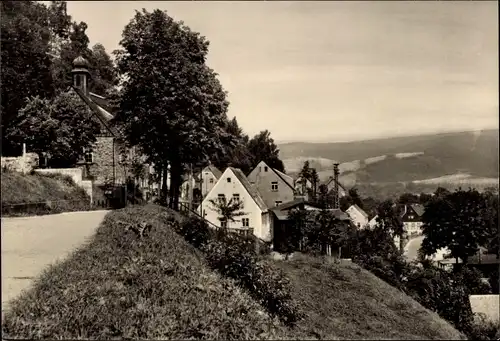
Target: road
point(412, 247)
point(31, 244)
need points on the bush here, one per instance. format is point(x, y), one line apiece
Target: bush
point(236, 257)
point(484, 330)
point(122, 286)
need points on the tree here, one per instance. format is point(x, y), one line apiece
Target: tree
point(314, 178)
point(60, 128)
point(25, 66)
point(356, 199)
point(456, 221)
point(325, 197)
point(389, 218)
point(227, 210)
point(235, 151)
point(263, 148)
point(408, 198)
point(305, 172)
point(172, 104)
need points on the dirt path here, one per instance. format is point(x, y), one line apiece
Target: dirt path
point(30, 244)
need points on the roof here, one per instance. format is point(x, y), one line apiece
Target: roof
point(100, 101)
point(215, 171)
point(287, 178)
point(329, 181)
point(250, 189)
point(419, 209)
point(360, 210)
point(103, 115)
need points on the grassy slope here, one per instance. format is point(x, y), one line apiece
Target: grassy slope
point(443, 154)
point(61, 191)
point(159, 287)
point(351, 303)
point(119, 286)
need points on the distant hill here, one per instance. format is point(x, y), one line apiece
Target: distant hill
point(463, 155)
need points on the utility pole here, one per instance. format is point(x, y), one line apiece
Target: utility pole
point(191, 188)
point(336, 203)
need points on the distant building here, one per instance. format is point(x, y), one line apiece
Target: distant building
point(358, 217)
point(274, 186)
point(412, 218)
point(201, 183)
point(330, 183)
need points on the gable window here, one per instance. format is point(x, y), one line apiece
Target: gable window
point(274, 186)
point(265, 169)
point(88, 154)
point(211, 180)
point(236, 197)
point(228, 179)
point(278, 203)
point(221, 197)
point(223, 223)
point(245, 222)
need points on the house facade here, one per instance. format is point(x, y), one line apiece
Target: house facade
point(234, 184)
point(201, 183)
point(358, 216)
point(103, 161)
point(274, 186)
point(330, 184)
point(412, 219)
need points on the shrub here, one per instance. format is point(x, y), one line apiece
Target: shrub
point(484, 330)
point(235, 256)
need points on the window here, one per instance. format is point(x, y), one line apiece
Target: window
point(274, 186)
point(221, 197)
point(245, 222)
point(88, 154)
point(278, 203)
point(228, 179)
point(265, 169)
point(211, 180)
point(223, 224)
point(236, 197)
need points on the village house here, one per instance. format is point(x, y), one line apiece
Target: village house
point(330, 184)
point(201, 183)
point(412, 218)
point(274, 186)
point(103, 162)
point(358, 217)
point(302, 187)
point(233, 184)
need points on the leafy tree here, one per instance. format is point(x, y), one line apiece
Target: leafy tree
point(172, 104)
point(227, 210)
point(456, 221)
point(25, 66)
point(299, 223)
point(263, 148)
point(356, 199)
point(424, 198)
point(389, 218)
point(59, 128)
point(235, 151)
point(408, 198)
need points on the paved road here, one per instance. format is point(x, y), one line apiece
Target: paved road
point(412, 247)
point(30, 244)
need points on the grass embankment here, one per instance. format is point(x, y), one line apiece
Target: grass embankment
point(122, 286)
point(160, 287)
point(40, 194)
point(351, 303)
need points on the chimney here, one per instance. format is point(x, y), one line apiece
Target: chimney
point(81, 74)
point(336, 202)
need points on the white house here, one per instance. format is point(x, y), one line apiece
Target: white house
point(234, 184)
point(358, 217)
point(373, 222)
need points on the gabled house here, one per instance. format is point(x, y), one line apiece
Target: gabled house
point(274, 186)
point(358, 216)
point(234, 184)
point(201, 183)
point(412, 218)
point(330, 183)
point(102, 162)
point(281, 222)
point(373, 222)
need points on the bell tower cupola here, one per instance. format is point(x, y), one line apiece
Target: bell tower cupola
point(81, 74)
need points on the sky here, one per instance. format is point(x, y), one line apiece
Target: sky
point(338, 71)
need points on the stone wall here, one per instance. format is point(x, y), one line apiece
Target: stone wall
point(486, 305)
point(105, 164)
point(23, 164)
